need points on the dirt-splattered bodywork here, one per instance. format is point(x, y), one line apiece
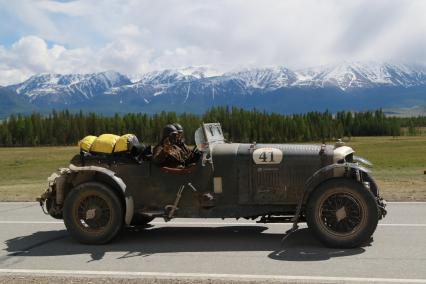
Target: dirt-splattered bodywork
point(231, 180)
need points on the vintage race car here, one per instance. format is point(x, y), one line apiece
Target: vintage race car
point(324, 185)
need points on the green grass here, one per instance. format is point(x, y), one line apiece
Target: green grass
point(24, 171)
point(399, 164)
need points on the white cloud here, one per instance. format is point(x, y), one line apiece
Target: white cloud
point(129, 30)
point(32, 55)
point(138, 36)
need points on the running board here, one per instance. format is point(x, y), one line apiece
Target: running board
point(276, 219)
point(152, 213)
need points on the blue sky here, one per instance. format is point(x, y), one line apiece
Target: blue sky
point(138, 36)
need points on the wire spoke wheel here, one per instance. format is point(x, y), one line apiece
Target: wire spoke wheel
point(93, 213)
point(341, 213)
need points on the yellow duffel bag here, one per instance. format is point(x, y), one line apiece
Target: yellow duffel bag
point(86, 143)
point(104, 144)
point(125, 143)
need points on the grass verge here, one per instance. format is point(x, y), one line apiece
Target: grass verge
point(399, 165)
point(24, 171)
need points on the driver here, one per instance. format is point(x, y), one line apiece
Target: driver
point(167, 153)
point(190, 156)
point(180, 141)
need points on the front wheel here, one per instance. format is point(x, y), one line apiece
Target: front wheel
point(93, 213)
point(342, 213)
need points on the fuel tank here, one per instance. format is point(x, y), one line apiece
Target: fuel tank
point(267, 173)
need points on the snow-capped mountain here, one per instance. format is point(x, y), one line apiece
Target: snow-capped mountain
point(199, 71)
point(344, 76)
point(266, 78)
point(165, 77)
point(191, 72)
point(348, 76)
point(356, 85)
point(57, 88)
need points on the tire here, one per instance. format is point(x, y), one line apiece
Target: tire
point(93, 213)
point(342, 213)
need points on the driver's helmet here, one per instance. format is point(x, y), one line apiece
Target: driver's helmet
point(178, 127)
point(169, 130)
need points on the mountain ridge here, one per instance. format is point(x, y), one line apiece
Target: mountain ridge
point(195, 89)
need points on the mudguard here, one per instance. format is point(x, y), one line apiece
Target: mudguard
point(340, 170)
point(335, 171)
point(129, 203)
point(349, 170)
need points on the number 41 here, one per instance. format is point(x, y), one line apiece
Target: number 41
point(267, 157)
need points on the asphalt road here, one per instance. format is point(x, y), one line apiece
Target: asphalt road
point(35, 244)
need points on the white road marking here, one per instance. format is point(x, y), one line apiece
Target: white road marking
point(36, 203)
point(210, 223)
point(266, 224)
point(207, 276)
point(31, 222)
point(402, 225)
point(405, 202)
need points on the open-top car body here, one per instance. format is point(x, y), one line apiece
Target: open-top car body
point(324, 185)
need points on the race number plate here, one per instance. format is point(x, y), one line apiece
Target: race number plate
point(268, 156)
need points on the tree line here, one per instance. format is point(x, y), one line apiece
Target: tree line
point(239, 125)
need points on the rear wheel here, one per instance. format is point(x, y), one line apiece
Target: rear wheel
point(342, 213)
point(93, 213)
